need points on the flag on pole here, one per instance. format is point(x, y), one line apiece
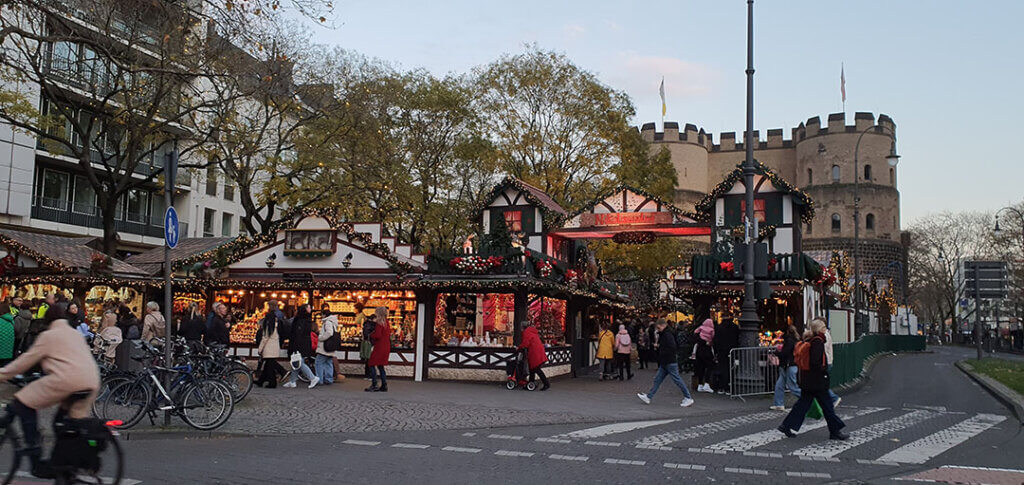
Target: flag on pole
point(661, 91)
point(842, 81)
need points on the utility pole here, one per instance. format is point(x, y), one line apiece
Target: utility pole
point(750, 323)
point(170, 173)
point(977, 309)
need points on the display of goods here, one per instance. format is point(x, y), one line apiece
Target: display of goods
point(476, 264)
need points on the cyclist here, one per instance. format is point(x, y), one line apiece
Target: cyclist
point(69, 368)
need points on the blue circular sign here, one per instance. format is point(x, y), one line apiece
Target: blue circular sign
point(171, 234)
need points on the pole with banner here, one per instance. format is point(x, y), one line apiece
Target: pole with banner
point(172, 234)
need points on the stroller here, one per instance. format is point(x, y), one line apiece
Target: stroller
point(518, 373)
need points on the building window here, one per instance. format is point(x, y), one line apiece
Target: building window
point(759, 212)
point(211, 181)
point(84, 200)
point(137, 206)
point(208, 216)
point(229, 192)
point(867, 173)
point(835, 173)
point(54, 189)
point(837, 224)
point(63, 58)
point(892, 177)
point(514, 220)
point(810, 176)
point(869, 222)
point(225, 224)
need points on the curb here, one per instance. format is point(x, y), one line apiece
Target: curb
point(158, 434)
point(1006, 396)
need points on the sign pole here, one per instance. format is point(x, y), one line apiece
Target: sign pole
point(977, 309)
point(171, 236)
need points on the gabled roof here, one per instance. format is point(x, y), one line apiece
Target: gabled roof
point(152, 260)
point(706, 207)
point(551, 210)
point(60, 253)
point(621, 188)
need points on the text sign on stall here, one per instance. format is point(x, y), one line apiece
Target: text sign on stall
point(625, 219)
point(171, 233)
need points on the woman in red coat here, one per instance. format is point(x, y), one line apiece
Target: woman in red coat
point(381, 338)
point(535, 354)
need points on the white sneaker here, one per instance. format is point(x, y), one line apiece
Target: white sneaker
point(704, 388)
point(777, 408)
point(314, 382)
point(288, 384)
point(686, 402)
point(643, 397)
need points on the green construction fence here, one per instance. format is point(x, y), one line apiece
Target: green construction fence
point(848, 359)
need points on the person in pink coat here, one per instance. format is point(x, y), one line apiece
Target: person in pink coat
point(623, 350)
point(536, 356)
point(705, 355)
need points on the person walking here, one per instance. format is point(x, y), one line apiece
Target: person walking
point(623, 349)
point(153, 324)
point(536, 356)
point(705, 355)
point(109, 337)
point(605, 351)
point(7, 336)
point(787, 370)
point(667, 365)
point(22, 322)
point(828, 357)
point(268, 348)
point(193, 325)
point(219, 332)
point(48, 301)
point(643, 345)
point(300, 346)
point(128, 323)
point(814, 384)
point(324, 365)
point(381, 338)
point(727, 337)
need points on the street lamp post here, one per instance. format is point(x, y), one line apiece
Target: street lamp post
point(750, 323)
point(893, 159)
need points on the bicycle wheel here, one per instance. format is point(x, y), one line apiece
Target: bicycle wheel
point(9, 440)
point(106, 384)
point(239, 380)
point(127, 402)
point(111, 470)
point(207, 405)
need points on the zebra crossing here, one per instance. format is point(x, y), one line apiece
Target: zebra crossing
point(878, 435)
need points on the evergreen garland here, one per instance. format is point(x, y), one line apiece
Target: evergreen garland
point(706, 207)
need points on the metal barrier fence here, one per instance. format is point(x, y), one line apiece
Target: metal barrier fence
point(750, 373)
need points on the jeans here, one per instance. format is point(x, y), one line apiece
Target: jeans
point(796, 416)
point(325, 368)
point(304, 369)
point(378, 369)
point(787, 380)
point(623, 364)
point(671, 370)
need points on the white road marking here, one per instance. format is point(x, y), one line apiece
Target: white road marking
point(124, 481)
point(756, 440)
point(652, 447)
point(820, 458)
point(876, 462)
point(361, 442)
point(863, 435)
point(457, 449)
point(569, 458)
point(808, 475)
point(933, 445)
point(746, 471)
point(412, 446)
point(602, 443)
point(706, 429)
point(615, 461)
point(762, 454)
point(553, 440)
point(608, 429)
point(514, 453)
point(468, 434)
point(505, 437)
point(680, 466)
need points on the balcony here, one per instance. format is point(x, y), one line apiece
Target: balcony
point(790, 266)
point(84, 215)
point(512, 262)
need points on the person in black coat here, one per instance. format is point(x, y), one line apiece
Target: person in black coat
point(301, 342)
point(193, 325)
point(787, 370)
point(666, 348)
point(219, 332)
point(814, 385)
point(727, 337)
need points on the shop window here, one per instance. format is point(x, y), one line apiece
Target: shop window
point(208, 217)
point(514, 220)
point(548, 315)
point(837, 224)
point(225, 224)
point(474, 320)
point(54, 189)
point(835, 173)
point(869, 222)
point(759, 211)
point(867, 173)
point(810, 176)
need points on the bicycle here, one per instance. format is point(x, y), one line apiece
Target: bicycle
point(215, 362)
point(203, 403)
point(83, 447)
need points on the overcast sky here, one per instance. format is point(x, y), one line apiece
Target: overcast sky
point(948, 72)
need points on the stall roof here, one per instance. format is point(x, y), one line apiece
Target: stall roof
point(65, 254)
point(152, 261)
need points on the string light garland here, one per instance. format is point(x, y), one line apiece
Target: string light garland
point(16, 247)
point(706, 206)
point(679, 213)
point(634, 237)
point(551, 217)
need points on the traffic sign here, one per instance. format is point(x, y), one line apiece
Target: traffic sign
point(171, 227)
point(985, 279)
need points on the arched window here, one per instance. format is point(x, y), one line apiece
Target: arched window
point(835, 173)
point(869, 222)
point(837, 223)
point(892, 177)
point(867, 173)
point(810, 176)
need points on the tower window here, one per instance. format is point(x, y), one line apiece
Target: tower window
point(835, 173)
point(869, 222)
point(837, 224)
point(867, 173)
point(892, 177)
point(810, 176)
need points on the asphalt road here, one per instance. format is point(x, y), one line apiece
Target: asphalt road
point(917, 414)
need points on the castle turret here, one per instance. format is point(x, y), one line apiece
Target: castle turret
point(689, 150)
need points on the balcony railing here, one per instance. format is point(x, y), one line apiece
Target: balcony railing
point(513, 262)
point(87, 215)
point(789, 266)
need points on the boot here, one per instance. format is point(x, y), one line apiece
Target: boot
point(372, 388)
point(383, 387)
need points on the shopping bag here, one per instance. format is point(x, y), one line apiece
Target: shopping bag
point(815, 411)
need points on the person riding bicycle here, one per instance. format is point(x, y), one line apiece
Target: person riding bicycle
point(69, 369)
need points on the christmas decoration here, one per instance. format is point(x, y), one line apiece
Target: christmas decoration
point(706, 206)
point(727, 266)
point(544, 268)
point(476, 264)
point(551, 217)
point(634, 237)
point(100, 264)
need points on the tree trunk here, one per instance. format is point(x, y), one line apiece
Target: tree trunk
point(109, 230)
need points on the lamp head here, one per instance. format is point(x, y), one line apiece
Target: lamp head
point(893, 158)
point(997, 231)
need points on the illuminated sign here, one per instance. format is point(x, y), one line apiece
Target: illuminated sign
point(625, 219)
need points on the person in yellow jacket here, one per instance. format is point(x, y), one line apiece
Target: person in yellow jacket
point(605, 351)
point(45, 305)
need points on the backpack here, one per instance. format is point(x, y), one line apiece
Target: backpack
point(802, 355)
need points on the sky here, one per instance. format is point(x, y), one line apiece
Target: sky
point(947, 72)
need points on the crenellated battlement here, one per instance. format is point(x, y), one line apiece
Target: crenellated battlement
point(836, 123)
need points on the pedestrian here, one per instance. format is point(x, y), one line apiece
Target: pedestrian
point(704, 355)
point(48, 301)
point(22, 322)
point(667, 365)
point(606, 351)
point(787, 370)
point(193, 325)
point(7, 335)
point(828, 354)
point(536, 356)
point(324, 365)
point(153, 324)
point(128, 323)
point(814, 384)
point(219, 331)
point(365, 345)
point(77, 321)
point(381, 338)
point(623, 349)
point(268, 348)
point(727, 337)
point(643, 346)
point(109, 337)
point(300, 346)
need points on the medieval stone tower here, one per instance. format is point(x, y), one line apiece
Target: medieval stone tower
point(818, 159)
